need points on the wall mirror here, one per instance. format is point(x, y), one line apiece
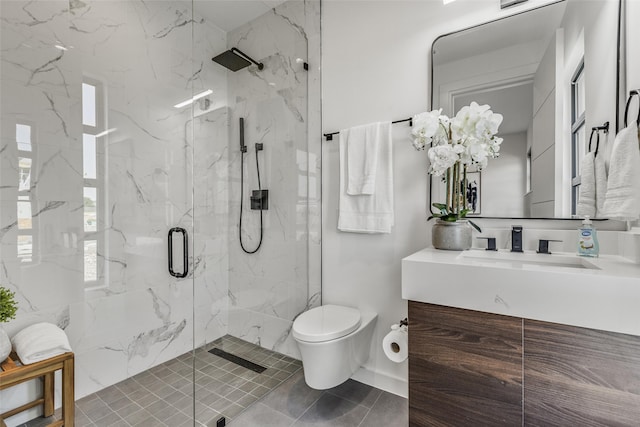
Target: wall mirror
point(553, 73)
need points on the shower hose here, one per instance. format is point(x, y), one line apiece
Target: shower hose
point(242, 199)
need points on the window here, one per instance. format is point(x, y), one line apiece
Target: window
point(25, 204)
point(92, 124)
point(578, 142)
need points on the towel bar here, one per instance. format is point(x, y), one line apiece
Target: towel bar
point(329, 136)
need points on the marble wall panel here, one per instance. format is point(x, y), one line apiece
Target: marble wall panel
point(270, 288)
point(140, 54)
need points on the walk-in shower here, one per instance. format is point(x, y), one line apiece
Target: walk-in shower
point(101, 156)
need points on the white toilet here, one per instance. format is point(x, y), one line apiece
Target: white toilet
point(334, 342)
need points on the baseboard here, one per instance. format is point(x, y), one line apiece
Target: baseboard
point(392, 384)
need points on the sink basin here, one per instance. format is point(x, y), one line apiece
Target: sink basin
point(599, 293)
point(527, 259)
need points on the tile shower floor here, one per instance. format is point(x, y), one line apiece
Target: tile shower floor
point(278, 397)
point(162, 395)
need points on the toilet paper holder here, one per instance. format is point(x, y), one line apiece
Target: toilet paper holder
point(394, 343)
point(402, 325)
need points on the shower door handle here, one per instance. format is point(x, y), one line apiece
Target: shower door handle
point(185, 252)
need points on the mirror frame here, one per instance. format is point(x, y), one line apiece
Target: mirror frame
point(619, 87)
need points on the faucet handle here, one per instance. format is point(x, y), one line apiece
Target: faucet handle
point(491, 243)
point(543, 245)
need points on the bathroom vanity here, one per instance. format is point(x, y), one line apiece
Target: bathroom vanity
point(501, 338)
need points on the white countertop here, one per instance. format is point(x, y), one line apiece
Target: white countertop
point(605, 295)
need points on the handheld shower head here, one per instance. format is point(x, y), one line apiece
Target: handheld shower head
point(234, 60)
point(243, 148)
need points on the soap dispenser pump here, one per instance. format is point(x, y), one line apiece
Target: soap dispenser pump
point(588, 239)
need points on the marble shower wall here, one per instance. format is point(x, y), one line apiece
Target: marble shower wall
point(143, 57)
point(280, 105)
point(157, 167)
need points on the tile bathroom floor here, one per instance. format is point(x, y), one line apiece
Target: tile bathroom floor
point(278, 397)
point(163, 395)
point(351, 404)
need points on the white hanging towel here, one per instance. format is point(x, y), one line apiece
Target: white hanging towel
point(368, 213)
point(622, 200)
point(362, 157)
point(600, 171)
point(587, 198)
point(593, 186)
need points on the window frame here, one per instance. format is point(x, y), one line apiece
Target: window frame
point(578, 123)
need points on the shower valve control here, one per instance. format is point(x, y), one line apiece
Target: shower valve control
point(260, 200)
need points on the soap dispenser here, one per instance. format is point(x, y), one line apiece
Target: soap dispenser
point(588, 239)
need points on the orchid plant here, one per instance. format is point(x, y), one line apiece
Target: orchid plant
point(468, 139)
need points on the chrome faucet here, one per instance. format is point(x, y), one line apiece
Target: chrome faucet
point(516, 238)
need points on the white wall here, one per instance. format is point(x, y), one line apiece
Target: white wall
point(543, 138)
point(494, 188)
point(376, 67)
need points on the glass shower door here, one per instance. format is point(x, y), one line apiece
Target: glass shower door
point(96, 168)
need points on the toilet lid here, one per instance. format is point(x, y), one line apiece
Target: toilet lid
point(326, 323)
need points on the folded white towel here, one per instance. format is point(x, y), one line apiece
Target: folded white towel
point(362, 156)
point(369, 213)
point(622, 200)
point(39, 342)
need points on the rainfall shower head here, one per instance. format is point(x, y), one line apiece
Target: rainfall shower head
point(235, 60)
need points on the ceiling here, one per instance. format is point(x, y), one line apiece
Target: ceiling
point(538, 24)
point(230, 14)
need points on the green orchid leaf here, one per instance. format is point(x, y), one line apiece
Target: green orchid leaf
point(474, 225)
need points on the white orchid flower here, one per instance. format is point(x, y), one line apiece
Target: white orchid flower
point(442, 157)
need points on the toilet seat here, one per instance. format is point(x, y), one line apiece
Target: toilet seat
point(325, 323)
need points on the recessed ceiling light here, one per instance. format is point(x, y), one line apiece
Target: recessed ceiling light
point(447, 1)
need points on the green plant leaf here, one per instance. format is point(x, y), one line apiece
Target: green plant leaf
point(474, 225)
point(8, 306)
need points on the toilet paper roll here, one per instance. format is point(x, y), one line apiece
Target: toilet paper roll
point(395, 345)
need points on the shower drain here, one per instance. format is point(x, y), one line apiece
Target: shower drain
point(238, 360)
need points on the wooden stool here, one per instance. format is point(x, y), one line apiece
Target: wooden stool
point(12, 374)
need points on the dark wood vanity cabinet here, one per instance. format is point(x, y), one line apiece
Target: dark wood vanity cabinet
point(468, 368)
point(465, 367)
